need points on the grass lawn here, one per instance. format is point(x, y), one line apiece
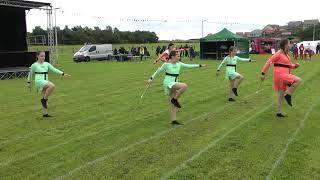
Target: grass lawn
point(102, 129)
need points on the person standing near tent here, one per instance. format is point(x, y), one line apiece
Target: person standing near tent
point(283, 81)
point(172, 87)
point(301, 51)
point(232, 75)
point(40, 69)
point(295, 51)
point(165, 54)
point(192, 53)
point(318, 48)
point(186, 50)
point(158, 50)
point(141, 52)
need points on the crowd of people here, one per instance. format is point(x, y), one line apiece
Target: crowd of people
point(186, 51)
point(141, 51)
point(302, 52)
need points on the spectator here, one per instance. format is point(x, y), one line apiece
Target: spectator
point(132, 50)
point(309, 52)
point(301, 51)
point(115, 53)
point(128, 56)
point(253, 47)
point(295, 51)
point(182, 52)
point(146, 51)
point(122, 50)
point(192, 53)
point(141, 51)
point(158, 50)
point(163, 49)
point(186, 50)
point(318, 48)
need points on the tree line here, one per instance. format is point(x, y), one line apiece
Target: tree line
point(307, 34)
point(109, 35)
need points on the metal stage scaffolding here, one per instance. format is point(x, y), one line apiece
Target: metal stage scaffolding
point(14, 72)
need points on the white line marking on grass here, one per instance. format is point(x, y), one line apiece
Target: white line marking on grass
point(86, 165)
point(54, 128)
point(63, 125)
point(122, 150)
point(213, 143)
point(75, 139)
point(290, 140)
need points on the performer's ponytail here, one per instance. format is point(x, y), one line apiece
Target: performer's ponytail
point(283, 43)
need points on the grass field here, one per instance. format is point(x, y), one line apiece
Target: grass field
point(102, 129)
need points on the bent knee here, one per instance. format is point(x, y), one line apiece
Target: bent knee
point(240, 76)
point(298, 80)
point(51, 85)
point(184, 86)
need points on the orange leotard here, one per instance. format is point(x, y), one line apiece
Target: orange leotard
point(281, 71)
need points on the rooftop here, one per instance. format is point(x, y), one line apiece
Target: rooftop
point(24, 4)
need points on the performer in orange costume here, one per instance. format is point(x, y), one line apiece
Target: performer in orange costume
point(284, 82)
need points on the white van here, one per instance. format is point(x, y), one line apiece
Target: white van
point(94, 51)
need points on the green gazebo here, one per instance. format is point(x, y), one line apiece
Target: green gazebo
point(215, 46)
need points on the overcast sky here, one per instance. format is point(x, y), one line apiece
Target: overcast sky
point(176, 15)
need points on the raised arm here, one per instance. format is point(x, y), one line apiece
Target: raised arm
point(55, 70)
point(190, 65)
point(159, 70)
point(162, 56)
point(272, 60)
point(244, 59)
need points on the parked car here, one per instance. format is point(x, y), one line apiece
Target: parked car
point(94, 52)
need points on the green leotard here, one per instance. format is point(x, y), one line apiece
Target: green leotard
point(41, 74)
point(172, 71)
point(231, 63)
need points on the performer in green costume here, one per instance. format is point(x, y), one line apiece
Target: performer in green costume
point(232, 75)
point(40, 70)
point(172, 87)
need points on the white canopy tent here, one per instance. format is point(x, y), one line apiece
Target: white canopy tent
point(309, 44)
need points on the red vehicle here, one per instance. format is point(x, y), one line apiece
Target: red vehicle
point(262, 45)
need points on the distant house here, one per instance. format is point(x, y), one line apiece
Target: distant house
point(270, 29)
point(287, 30)
point(240, 33)
point(295, 23)
point(256, 33)
point(308, 23)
